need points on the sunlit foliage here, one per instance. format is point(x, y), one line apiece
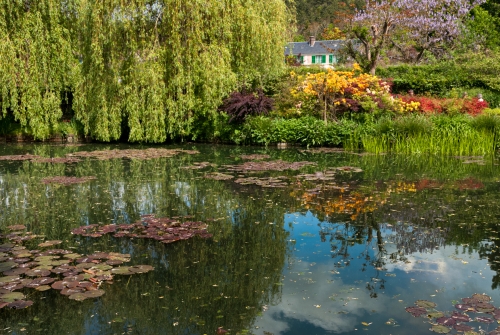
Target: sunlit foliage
point(145, 69)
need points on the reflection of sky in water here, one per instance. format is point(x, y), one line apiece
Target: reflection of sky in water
point(323, 295)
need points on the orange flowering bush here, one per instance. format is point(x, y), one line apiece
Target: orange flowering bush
point(338, 92)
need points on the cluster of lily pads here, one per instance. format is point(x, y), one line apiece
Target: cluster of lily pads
point(459, 319)
point(277, 165)
point(77, 276)
point(133, 153)
point(198, 166)
point(263, 182)
point(165, 230)
point(323, 150)
point(63, 180)
point(218, 176)
point(39, 159)
point(255, 157)
point(101, 155)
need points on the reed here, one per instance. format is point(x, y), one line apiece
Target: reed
point(441, 135)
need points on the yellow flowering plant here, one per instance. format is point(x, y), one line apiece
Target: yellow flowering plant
point(337, 92)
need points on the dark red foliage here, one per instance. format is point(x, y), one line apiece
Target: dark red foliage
point(239, 105)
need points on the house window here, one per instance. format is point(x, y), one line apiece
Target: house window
point(332, 59)
point(319, 59)
point(300, 59)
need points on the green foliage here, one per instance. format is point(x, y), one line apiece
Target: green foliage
point(306, 131)
point(154, 66)
point(472, 73)
point(439, 134)
point(483, 31)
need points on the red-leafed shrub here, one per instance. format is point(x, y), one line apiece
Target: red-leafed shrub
point(239, 105)
point(474, 106)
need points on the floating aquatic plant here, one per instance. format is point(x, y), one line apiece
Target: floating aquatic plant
point(218, 176)
point(271, 182)
point(457, 321)
point(255, 157)
point(26, 157)
point(39, 159)
point(133, 153)
point(67, 180)
point(277, 165)
point(199, 166)
point(323, 150)
point(77, 276)
point(165, 230)
point(56, 160)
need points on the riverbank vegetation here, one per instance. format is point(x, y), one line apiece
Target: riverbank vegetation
point(160, 71)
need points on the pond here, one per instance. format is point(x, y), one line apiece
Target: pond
point(204, 239)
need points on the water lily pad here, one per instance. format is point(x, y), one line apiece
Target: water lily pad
point(72, 256)
point(71, 291)
point(8, 279)
point(4, 266)
point(481, 297)
point(141, 268)
point(425, 304)
point(435, 315)
point(484, 319)
point(102, 267)
point(38, 273)
point(440, 329)
point(416, 311)
point(78, 296)
point(43, 288)
point(49, 243)
point(464, 307)
point(12, 296)
point(484, 307)
point(446, 321)
point(19, 304)
point(121, 270)
point(94, 293)
point(460, 317)
point(15, 271)
point(462, 328)
point(16, 227)
point(58, 285)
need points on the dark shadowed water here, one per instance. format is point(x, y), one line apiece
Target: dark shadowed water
point(341, 243)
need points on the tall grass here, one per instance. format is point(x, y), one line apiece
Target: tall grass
point(460, 135)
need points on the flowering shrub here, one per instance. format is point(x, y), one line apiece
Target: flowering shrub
point(469, 106)
point(337, 92)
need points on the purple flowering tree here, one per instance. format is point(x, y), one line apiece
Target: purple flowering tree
point(421, 24)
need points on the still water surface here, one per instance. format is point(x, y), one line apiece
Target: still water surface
point(340, 246)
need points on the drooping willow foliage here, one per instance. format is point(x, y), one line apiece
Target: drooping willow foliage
point(151, 67)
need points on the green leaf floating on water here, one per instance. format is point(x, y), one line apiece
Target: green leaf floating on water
point(425, 304)
point(10, 297)
point(440, 329)
point(7, 266)
point(435, 315)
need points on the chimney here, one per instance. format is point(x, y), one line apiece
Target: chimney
point(312, 39)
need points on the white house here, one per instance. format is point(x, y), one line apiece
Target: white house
point(324, 53)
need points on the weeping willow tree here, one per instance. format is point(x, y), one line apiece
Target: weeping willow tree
point(36, 63)
point(148, 67)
